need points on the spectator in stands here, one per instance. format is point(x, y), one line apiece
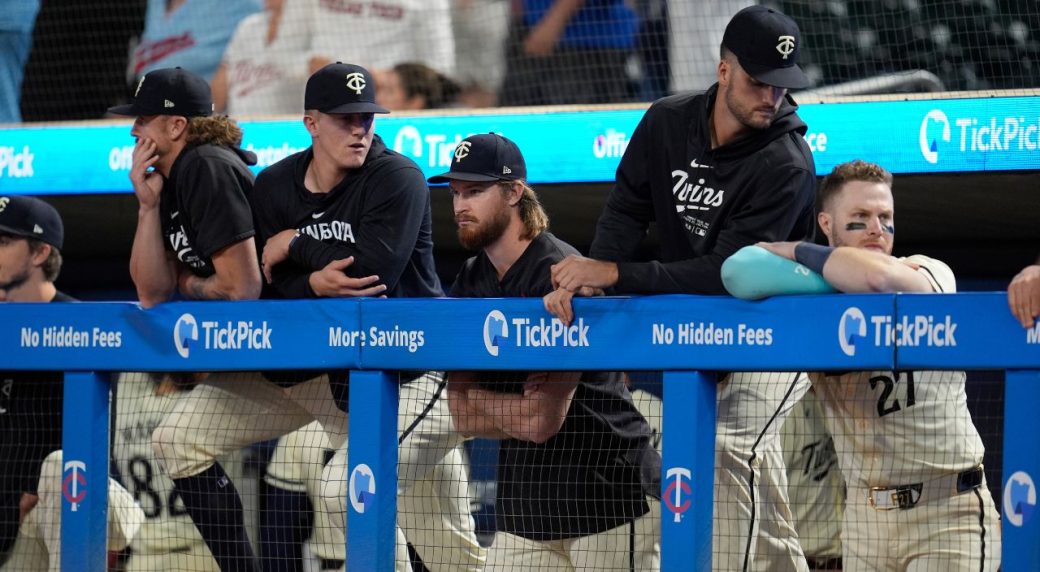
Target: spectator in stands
point(715, 172)
point(576, 464)
point(265, 64)
point(412, 86)
point(191, 34)
point(1024, 295)
point(570, 51)
point(31, 238)
point(906, 444)
point(378, 35)
point(16, 27)
point(480, 29)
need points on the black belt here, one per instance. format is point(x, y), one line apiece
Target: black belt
point(824, 563)
point(908, 496)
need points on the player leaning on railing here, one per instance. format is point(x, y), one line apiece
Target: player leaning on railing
point(906, 443)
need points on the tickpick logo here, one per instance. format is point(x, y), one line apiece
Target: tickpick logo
point(185, 331)
point(929, 145)
point(851, 326)
point(362, 488)
point(1019, 498)
point(673, 495)
point(495, 330)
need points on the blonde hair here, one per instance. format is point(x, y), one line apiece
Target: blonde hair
point(214, 130)
point(532, 214)
point(858, 170)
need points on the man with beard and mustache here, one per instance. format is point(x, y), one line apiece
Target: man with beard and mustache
point(716, 172)
point(577, 471)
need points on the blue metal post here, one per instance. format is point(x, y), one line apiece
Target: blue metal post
point(84, 505)
point(1021, 525)
point(372, 474)
point(687, 470)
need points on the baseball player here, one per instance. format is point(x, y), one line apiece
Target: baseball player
point(195, 235)
point(815, 487)
point(31, 238)
point(906, 444)
point(428, 513)
point(167, 540)
point(715, 172)
point(576, 462)
point(349, 217)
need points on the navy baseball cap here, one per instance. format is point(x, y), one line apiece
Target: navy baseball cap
point(767, 44)
point(342, 88)
point(31, 218)
point(485, 157)
point(169, 91)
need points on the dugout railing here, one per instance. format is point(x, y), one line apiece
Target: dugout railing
point(374, 338)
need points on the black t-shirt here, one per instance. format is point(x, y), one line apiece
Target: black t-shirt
point(595, 473)
point(379, 214)
point(204, 207)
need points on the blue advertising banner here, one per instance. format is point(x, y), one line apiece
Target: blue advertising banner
point(652, 332)
point(190, 336)
point(927, 136)
point(961, 331)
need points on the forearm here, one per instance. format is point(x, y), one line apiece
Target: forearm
point(154, 276)
point(471, 421)
point(212, 288)
point(531, 417)
point(856, 270)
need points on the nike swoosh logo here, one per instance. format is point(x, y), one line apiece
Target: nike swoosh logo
point(697, 165)
point(174, 214)
point(318, 215)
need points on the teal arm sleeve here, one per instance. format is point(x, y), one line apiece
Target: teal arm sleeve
point(753, 273)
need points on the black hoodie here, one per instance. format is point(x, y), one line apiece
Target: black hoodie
point(204, 207)
point(707, 203)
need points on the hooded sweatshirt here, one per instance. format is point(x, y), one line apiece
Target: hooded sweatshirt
point(706, 203)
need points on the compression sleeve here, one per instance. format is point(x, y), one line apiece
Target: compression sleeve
point(753, 273)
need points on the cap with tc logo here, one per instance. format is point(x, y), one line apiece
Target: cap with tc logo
point(485, 157)
point(169, 91)
point(342, 88)
point(767, 44)
point(30, 217)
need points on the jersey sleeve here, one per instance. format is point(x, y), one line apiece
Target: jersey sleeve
point(216, 199)
point(936, 272)
point(389, 228)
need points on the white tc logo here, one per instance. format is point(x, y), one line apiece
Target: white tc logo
point(462, 151)
point(851, 326)
point(929, 148)
point(785, 45)
point(3, 203)
point(356, 82)
point(185, 331)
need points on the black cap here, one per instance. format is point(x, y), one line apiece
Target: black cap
point(767, 44)
point(32, 218)
point(484, 158)
point(342, 88)
point(169, 91)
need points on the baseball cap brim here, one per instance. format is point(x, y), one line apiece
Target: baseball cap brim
point(128, 109)
point(789, 78)
point(357, 107)
point(13, 231)
point(468, 177)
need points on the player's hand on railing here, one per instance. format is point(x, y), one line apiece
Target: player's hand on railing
point(147, 183)
point(1024, 295)
point(331, 282)
point(558, 302)
point(574, 272)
